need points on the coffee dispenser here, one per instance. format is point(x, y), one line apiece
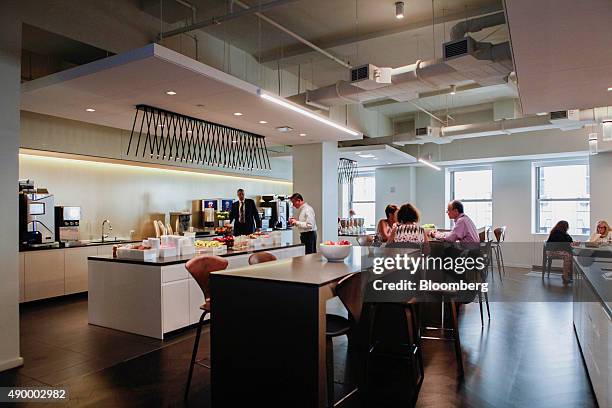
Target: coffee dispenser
point(36, 219)
point(67, 220)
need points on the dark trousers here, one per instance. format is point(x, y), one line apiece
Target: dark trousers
point(309, 239)
point(243, 228)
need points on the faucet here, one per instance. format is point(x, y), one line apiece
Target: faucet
point(110, 228)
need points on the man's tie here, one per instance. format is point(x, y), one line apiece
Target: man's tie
point(241, 213)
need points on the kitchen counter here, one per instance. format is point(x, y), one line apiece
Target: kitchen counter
point(155, 298)
point(173, 260)
point(80, 244)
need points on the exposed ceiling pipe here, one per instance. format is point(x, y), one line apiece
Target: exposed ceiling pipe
point(474, 25)
point(230, 16)
point(294, 35)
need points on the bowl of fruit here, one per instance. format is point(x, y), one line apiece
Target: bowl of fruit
point(335, 251)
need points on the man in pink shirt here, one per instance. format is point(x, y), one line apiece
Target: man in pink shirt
point(464, 229)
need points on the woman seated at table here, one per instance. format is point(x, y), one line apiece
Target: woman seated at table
point(602, 234)
point(408, 230)
point(383, 229)
point(558, 245)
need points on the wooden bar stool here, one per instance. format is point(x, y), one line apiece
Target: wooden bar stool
point(500, 236)
point(261, 257)
point(200, 268)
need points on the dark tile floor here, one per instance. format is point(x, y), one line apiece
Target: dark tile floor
point(526, 356)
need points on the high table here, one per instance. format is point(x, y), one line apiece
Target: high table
point(268, 331)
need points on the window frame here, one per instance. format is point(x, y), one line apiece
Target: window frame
point(365, 173)
point(451, 175)
point(537, 166)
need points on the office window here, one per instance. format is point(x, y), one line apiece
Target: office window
point(562, 193)
point(363, 196)
point(473, 188)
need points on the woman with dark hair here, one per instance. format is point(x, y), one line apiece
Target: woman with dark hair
point(558, 245)
point(408, 228)
point(383, 229)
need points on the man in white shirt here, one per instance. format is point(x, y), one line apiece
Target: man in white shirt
point(304, 220)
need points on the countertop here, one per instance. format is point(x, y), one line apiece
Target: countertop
point(598, 273)
point(79, 245)
point(311, 269)
point(184, 258)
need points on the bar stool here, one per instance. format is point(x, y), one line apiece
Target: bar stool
point(200, 268)
point(500, 236)
point(548, 255)
point(261, 257)
point(349, 292)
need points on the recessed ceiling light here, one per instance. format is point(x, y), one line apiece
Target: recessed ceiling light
point(90, 110)
point(453, 89)
point(610, 88)
point(284, 129)
point(388, 162)
point(399, 10)
point(263, 122)
point(237, 114)
point(302, 134)
point(170, 93)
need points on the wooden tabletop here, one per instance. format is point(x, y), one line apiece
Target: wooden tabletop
point(311, 269)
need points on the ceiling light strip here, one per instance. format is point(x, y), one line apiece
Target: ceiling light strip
point(170, 136)
point(282, 102)
point(429, 164)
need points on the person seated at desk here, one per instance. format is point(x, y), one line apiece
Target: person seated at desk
point(602, 234)
point(558, 245)
point(385, 225)
point(464, 229)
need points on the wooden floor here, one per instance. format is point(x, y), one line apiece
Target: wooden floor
point(526, 356)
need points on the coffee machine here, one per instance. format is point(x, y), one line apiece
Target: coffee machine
point(67, 220)
point(36, 216)
point(180, 221)
point(279, 210)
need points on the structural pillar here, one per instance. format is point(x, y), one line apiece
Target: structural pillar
point(315, 176)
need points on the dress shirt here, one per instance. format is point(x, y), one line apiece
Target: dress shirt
point(305, 218)
point(463, 231)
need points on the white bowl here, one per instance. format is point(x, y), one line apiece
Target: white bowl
point(335, 253)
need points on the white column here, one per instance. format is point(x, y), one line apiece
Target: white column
point(10, 74)
point(315, 176)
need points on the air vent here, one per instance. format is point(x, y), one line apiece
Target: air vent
point(458, 48)
point(360, 73)
point(558, 115)
point(421, 131)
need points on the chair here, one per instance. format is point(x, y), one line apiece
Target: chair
point(548, 255)
point(500, 236)
point(261, 257)
point(484, 275)
point(200, 269)
point(349, 292)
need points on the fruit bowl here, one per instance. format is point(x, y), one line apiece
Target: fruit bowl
point(335, 251)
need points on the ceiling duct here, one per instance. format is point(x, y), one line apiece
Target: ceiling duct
point(465, 60)
point(169, 136)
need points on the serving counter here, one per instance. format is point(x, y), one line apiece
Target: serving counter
point(152, 298)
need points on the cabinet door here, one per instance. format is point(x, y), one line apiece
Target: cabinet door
point(175, 305)
point(21, 277)
point(44, 274)
point(76, 268)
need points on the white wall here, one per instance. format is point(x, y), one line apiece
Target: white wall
point(601, 187)
point(394, 185)
point(10, 71)
point(431, 196)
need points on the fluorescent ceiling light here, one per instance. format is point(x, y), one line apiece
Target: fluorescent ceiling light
point(366, 156)
point(542, 113)
point(170, 93)
point(302, 134)
point(285, 104)
point(90, 110)
point(610, 88)
point(237, 114)
point(399, 10)
point(429, 164)
point(263, 122)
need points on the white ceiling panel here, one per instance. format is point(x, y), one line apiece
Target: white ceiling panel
point(376, 155)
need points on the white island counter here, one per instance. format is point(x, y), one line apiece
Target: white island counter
point(154, 298)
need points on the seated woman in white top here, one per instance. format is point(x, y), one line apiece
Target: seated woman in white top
point(408, 230)
point(603, 233)
point(385, 225)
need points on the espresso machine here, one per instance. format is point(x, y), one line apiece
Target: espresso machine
point(36, 216)
point(67, 220)
point(279, 210)
point(180, 221)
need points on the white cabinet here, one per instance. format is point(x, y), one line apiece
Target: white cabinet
point(75, 261)
point(21, 277)
point(175, 305)
point(105, 250)
point(43, 274)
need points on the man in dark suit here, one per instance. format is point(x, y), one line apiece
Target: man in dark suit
point(244, 215)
